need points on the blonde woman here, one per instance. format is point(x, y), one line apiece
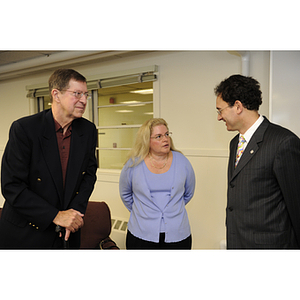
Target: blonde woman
point(156, 183)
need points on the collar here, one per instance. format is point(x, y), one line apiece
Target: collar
point(249, 133)
point(59, 128)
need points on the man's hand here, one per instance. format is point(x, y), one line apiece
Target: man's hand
point(70, 219)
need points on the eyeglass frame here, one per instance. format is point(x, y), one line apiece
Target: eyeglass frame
point(77, 94)
point(219, 111)
point(159, 137)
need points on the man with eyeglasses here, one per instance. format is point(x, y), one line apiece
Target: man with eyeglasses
point(49, 170)
point(263, 197)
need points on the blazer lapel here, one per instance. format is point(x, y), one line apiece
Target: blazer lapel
point(251, 149)
point(51, 154)
point(232, 155)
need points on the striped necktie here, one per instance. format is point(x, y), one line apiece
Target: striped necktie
point(240, 149)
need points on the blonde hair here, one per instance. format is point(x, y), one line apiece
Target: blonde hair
point(141, 146)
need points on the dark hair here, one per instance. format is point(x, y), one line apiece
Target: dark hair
point(242, 88)
point(60, 79)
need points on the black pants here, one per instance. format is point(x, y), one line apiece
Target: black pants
point(134, 243)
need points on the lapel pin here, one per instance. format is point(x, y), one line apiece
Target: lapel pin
point(252, 151)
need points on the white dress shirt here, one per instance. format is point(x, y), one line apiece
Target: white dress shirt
point(248, 134)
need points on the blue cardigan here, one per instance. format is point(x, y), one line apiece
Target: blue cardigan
point(145, 215)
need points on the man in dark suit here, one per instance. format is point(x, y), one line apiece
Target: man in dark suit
point(49, 170)
point(263, 197)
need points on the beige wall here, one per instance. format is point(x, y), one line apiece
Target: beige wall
point(184, 97)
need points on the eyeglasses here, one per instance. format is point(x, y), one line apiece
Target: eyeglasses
point(219, 111)
point(159, 137)
point(79, 95)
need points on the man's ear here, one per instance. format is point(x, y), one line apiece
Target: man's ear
point(239, 106)
point(54, 94)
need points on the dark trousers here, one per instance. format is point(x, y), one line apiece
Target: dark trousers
point(134, 243)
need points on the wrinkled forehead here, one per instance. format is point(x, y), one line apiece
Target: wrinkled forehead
point(77, 84)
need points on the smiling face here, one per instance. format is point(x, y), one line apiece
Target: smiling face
point(159, 147)
point(227, 114)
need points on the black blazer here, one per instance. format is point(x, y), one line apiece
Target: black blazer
point(31, 180)
point(263, 199)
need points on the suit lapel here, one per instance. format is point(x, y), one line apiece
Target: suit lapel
point(251, 149)
point(51, 154)
point(233, 149)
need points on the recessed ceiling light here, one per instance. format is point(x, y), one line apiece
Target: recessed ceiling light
point(131, 101)
point(144, 92)
point(124, 111)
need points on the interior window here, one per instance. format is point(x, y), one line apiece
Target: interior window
point(43, 103)
point(120, 112)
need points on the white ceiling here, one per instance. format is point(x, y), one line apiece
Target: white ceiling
point(14, 64)
point(9, 57)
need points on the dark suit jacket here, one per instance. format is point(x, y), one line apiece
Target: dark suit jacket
point(32, 185)
point(263, 204)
